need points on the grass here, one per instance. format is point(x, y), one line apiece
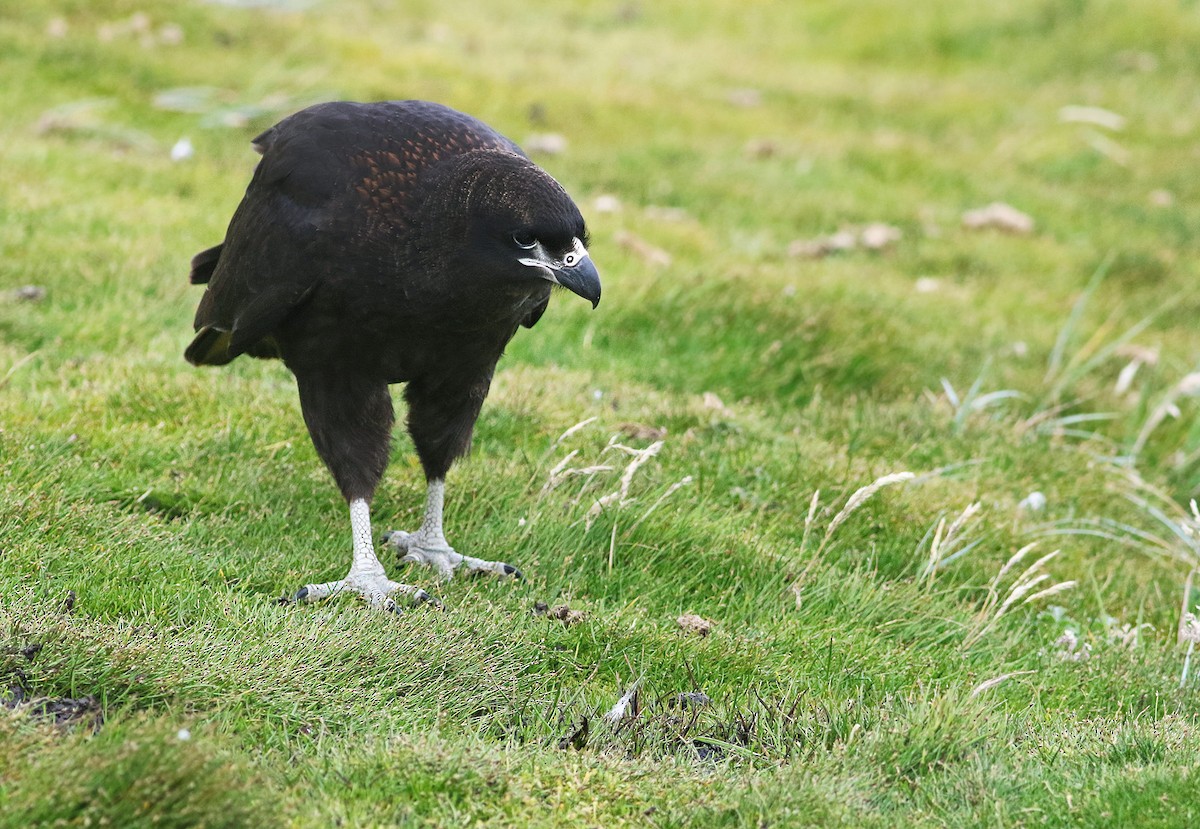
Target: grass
point(885, 651)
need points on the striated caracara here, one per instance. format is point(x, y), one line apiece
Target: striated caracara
point(393, 242)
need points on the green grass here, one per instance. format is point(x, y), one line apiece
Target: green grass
point(849, 685)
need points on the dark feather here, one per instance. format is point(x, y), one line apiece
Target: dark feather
point(375, 245)
point(203, 265)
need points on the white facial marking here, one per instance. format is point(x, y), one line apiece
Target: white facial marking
point(577, 254)
point(549, 266)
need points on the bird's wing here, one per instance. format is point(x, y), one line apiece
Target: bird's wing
point(271, 259)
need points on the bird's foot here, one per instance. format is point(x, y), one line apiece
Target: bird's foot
point(434, 552)
point(373, 586)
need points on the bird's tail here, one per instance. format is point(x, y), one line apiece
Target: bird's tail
point(209, 348)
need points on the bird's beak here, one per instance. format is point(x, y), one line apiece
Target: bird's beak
point(574, 271)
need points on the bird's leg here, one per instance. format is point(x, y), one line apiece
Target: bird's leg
point(428, 545)
point(366, 577)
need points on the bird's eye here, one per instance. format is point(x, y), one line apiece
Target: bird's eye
point(525, 241)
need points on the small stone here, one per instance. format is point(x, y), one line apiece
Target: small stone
point(182, 150)
point(566, 615)
point(606, 203)
point(170, 34)
point(710, 401)
point(761, 148)
point(546, 143)
point(692, 699)
point(1137, 61)
point(877, 236)
point(29, 293)
point(645, 251)
point(691, 623)
point(1162, 198)
point(744, 98)
point(666, 214)
point(641, 431)
point(822, 246)
point(1000, 216)
point(1033, 502)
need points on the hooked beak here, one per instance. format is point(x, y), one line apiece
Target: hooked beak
point(574, 271)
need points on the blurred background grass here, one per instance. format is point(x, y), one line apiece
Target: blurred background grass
point(716, 149)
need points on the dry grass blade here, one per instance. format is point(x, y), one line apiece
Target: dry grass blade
point(859, 498)
point(1008, 565)
point(583, 424)
point(1064, 335)
point(1021, 587)
point(621, 496)
point(671, 490)
point(935, 552)
point(1183, 610)
point(1061, 587)
point(808, 521)
point(947, 543)
point(1188, 386)
point(987, 685)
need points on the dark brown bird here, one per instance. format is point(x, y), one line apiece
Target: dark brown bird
point(394, 242)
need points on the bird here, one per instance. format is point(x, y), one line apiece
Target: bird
point(385, 243)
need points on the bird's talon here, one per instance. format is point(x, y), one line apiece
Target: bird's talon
point(425, 598)
point(301, 595)
point(509, 570)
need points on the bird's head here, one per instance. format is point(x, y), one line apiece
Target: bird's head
point(515, 223)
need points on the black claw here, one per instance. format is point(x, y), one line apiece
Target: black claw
point(383, 539)
point(422, 597)
point(509, 570)
point(301, 595)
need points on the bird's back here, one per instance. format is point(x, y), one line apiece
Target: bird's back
point(334, 194)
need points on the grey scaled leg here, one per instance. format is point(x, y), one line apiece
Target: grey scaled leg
point(366, 577)
point(428, 545)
